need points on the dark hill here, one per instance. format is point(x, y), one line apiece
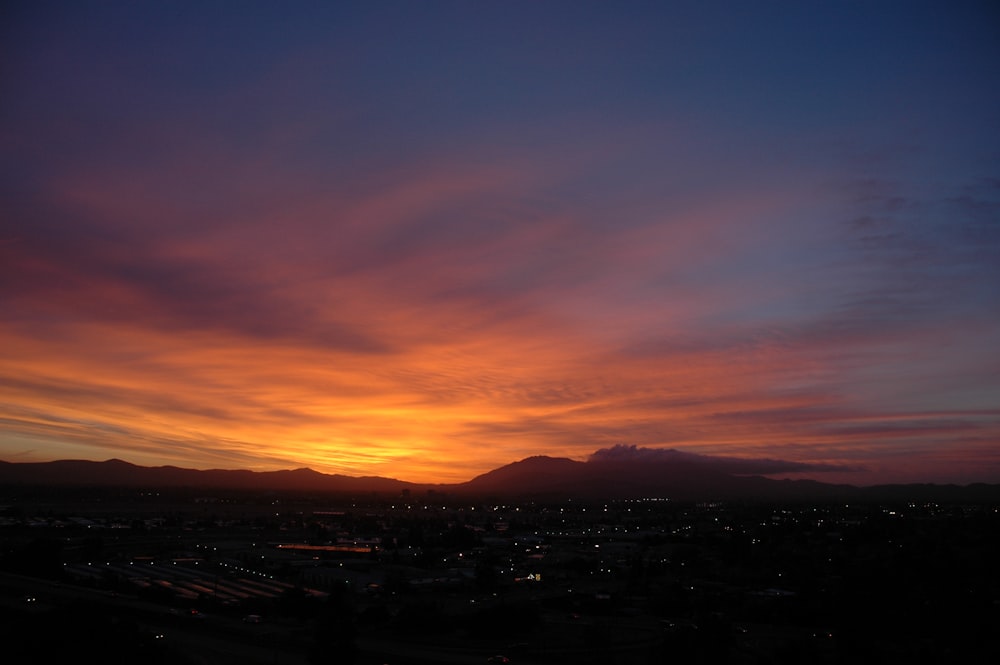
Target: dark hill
point(674, 477)
point(562, 477)
point(116, 473)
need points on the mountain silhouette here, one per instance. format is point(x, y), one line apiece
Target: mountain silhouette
point(637, 474)
point(117, 473)
point(630, 478)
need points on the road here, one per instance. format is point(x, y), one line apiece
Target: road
point(221, 640)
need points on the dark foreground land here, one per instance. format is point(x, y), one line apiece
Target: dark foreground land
point(98, 576)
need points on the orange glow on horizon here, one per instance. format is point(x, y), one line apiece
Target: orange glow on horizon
point(437, 414)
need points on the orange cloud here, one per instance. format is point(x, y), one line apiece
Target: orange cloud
point(450, 314)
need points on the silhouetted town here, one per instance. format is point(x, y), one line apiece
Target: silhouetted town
point(92, 575)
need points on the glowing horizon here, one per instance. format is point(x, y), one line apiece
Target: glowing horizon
point(423, 245)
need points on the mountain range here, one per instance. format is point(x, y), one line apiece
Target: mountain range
point(616, 473)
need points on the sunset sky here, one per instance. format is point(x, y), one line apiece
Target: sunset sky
point(426, 239)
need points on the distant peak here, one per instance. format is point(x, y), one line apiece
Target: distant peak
point(541, 458)
point(629, 453)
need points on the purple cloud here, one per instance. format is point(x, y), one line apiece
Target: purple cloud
point(723, 464)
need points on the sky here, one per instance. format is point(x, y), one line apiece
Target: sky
point(426, 239)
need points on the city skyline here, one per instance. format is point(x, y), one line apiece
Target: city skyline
point(425, 240)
